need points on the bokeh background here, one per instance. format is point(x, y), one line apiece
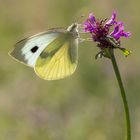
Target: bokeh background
point(85, 106)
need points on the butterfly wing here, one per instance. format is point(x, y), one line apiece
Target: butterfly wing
point(28, 50)
point(58, 59)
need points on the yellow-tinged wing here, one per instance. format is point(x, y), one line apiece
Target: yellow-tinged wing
point(58, 60)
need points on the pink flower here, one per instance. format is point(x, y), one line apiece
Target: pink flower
point(100, 30)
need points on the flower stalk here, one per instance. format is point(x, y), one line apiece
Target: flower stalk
point(107, 34)
point(125, 103)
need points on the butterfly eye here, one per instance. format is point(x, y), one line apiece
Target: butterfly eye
point(34, 49)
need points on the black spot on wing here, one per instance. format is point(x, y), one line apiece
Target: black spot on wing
point(34, 49)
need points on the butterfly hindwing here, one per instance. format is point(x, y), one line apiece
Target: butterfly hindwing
point(28, 50)
point(58, 59)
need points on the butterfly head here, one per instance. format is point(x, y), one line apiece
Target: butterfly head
point(74, 29)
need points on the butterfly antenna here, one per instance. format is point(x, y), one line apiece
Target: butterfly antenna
point(80, 25)
point(79, 19)
point(86, 39)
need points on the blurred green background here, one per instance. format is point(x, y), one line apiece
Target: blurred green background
point(85, 106)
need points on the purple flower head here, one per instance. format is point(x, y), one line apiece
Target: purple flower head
point(100, 30)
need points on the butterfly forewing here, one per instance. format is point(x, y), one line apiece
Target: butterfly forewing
point(59, 59)
point(28, 50)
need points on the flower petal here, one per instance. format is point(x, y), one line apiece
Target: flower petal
point(92, 18)
point(117, 28)
point(89, 23)
point(119, 31)
point(112, 21)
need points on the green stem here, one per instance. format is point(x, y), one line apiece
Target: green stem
point(125, 103)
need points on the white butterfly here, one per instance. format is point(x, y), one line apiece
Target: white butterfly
point(53, 54)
